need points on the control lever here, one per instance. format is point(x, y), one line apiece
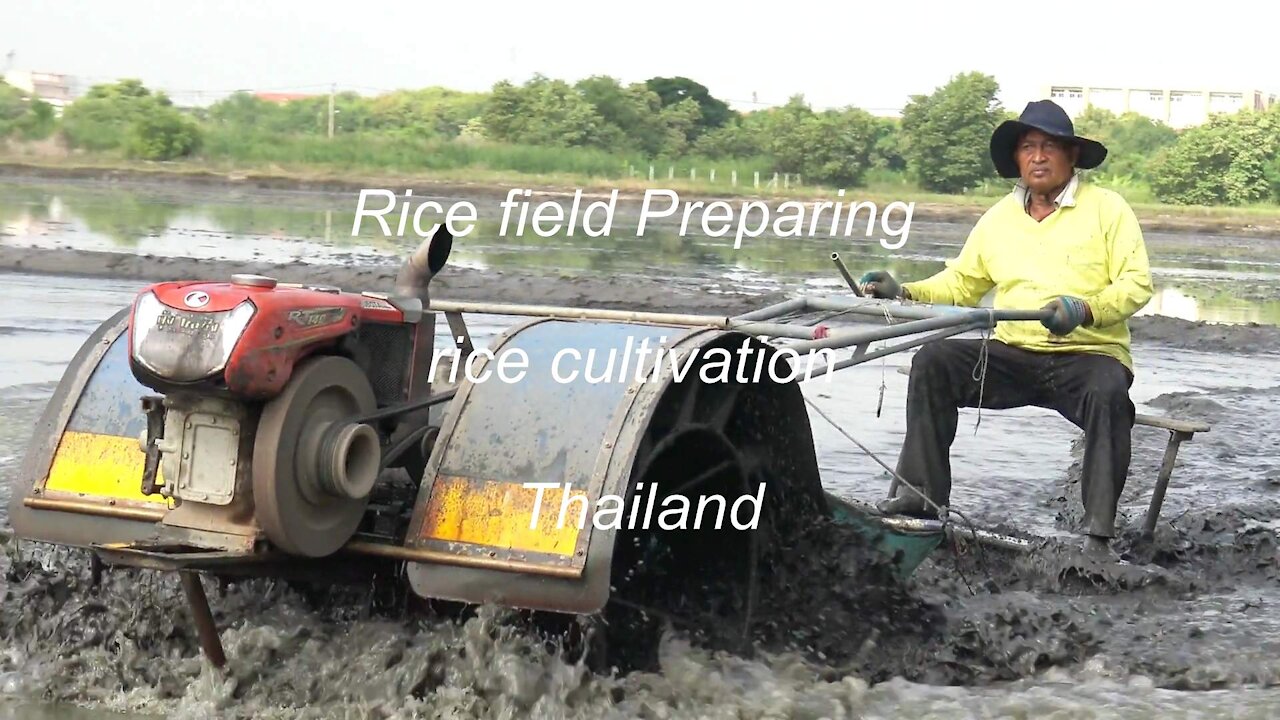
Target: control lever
point(844, 272)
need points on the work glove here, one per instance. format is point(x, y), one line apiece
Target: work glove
point(881, 285)
point(1069, 313)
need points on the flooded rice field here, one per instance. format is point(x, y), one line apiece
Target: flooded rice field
point(1217, 278)
point(1188, 630)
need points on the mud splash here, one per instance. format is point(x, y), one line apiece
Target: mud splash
point(127, 645)
point(821, 593)
point(821, 647)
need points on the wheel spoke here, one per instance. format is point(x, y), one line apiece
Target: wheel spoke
point(702, 477)
point(726, 403)
point(689, 406)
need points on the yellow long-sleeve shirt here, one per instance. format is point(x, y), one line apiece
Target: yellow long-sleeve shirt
point(1091, 248)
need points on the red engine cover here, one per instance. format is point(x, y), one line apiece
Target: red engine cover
point(290, 323)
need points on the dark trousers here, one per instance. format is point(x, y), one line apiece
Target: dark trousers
point(1090, 390)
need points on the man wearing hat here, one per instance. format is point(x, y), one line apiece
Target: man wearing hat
point(1055, 242)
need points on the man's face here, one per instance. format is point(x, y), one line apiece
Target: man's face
point(1045, 162)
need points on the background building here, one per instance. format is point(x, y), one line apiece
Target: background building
point(57, 90)
point(281, 98)
point(1176, 108)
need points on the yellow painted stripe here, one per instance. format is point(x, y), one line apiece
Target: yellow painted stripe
point(498, 514)
point(105, 466)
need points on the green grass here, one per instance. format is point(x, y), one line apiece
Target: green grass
point(383, 153)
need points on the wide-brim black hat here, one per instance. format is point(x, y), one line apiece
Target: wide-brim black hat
point(1047, 117)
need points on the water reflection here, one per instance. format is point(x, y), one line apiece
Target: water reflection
point(1213, 281)
point(264, 228)
point(1175, 302)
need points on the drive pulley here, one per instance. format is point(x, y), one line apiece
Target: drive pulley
point(313, 468)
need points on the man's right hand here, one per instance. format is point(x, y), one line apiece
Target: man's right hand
point(880, 284)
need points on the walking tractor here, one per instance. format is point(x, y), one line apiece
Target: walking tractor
point(254, 427)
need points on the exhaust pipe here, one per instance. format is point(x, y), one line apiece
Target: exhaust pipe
point(411, 282)
point(423, 264)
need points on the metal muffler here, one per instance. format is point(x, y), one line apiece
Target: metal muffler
point(423, 264)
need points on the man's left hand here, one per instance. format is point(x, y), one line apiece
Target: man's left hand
point(1069, 313)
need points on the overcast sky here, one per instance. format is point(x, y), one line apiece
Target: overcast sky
point(873, 55)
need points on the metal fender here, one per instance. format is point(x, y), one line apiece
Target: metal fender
point(475, 507)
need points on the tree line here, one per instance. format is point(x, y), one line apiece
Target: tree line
point(545, 125)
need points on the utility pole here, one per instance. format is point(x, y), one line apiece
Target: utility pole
point(332, 89)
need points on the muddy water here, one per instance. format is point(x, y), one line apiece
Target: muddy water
point(1188, 631)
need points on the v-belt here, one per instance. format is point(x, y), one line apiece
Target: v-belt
point(392, 411)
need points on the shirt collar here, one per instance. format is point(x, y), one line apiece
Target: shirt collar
point(1066, 198)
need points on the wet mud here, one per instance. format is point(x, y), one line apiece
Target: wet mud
point(828, 623)
point(1175, 333)
point(819, 646)
point(684, 295)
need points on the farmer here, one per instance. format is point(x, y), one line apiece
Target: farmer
point(1055, 242)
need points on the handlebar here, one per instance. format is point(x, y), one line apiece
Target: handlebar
point(896, 311)
point(900, 310)
point(1041, 314)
